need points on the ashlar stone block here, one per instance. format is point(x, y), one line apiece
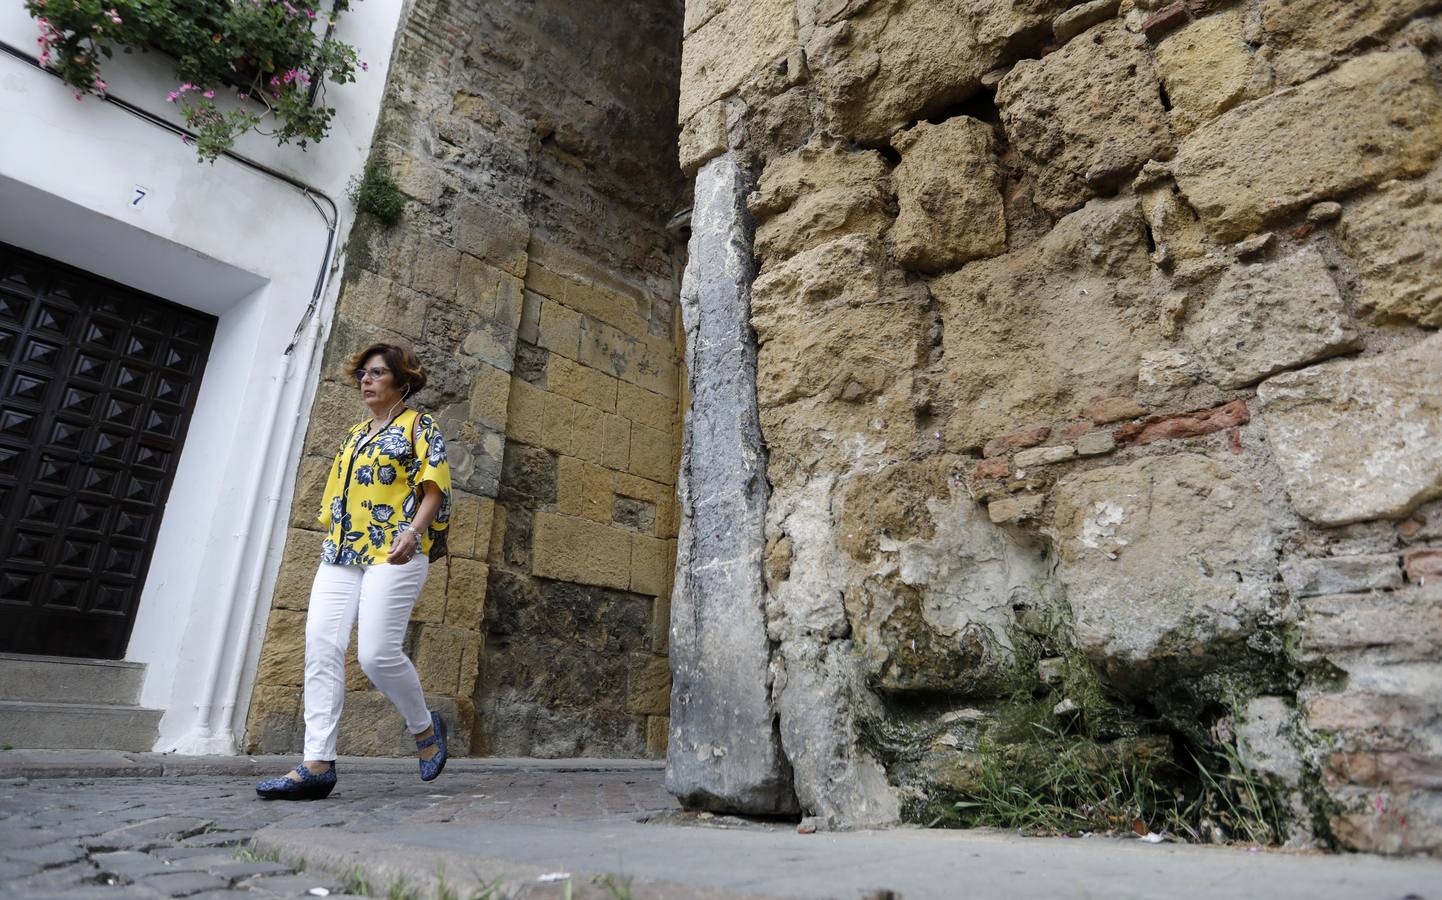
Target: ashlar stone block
point(650, 565)
point(1359, 439)
point(734, 44)
point(309, 488)
point(336, 409)
point(1341, 574)
point(644, 407)
point(1307, 35)
point(1268, 317)
point(297, 569)
point(1086, 117)
point(1395, 238)
point(573, 549)
point(1032, 335)
point(490, 394)
point(837, 320)
point(581, 383)
point(880, 65)
point(1208, 67)
point(1376, 117)
point(948, 188)
point(820, 192)
point(466, 593)
point(282, 656)
point(440, 651)
point(648, 688)
point(1165, 560)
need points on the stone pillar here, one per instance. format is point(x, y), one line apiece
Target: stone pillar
point(725, 752)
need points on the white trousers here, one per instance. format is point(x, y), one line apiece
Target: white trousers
point(381, 597)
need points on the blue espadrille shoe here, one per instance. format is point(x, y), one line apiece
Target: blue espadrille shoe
point(432, 767)
point(310, 786)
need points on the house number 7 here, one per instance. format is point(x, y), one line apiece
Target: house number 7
point(139, 196)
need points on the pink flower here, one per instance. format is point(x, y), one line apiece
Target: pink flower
point(365, 66)
point(187, 87)
point(115, 19)
point(209, 95)
point(172, 96)
point(100, 85)
point(242, 96)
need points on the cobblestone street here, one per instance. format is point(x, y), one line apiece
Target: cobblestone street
point(75, 826)
point(119, 837)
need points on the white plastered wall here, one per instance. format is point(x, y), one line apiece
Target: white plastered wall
point(244, 246)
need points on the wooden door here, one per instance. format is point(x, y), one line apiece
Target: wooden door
point(97, 385)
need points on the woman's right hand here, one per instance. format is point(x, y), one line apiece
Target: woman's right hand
point(403, 546)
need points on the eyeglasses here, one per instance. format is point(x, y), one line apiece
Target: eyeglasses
point(375, 372)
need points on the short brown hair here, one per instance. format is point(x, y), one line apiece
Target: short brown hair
point(402, 361)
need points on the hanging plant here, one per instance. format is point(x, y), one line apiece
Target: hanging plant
point(273, 55)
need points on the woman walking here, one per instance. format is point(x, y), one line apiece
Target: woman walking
point(386, 503)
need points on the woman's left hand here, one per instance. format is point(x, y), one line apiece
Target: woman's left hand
point(403, 547)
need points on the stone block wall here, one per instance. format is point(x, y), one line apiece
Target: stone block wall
point(1096, 361)
point(583, 541)
point(533, 272)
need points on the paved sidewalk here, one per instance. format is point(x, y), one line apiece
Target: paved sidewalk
point(492, 828)
point(122, 764)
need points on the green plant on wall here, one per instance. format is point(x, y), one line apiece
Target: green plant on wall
point(377, 193)
point(271, 56)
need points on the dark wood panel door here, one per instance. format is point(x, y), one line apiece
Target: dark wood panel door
point(97, 385)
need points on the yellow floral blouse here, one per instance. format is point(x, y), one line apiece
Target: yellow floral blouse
point(372, 489)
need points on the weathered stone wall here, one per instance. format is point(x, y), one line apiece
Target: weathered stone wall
point(1096, 366)
point(532, 270)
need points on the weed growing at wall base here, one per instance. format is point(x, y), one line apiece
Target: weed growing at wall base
point(274, 56)
point(1070, 784)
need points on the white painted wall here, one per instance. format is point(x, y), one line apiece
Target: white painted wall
point(233, 242)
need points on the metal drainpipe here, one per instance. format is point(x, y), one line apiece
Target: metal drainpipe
point(203, 735)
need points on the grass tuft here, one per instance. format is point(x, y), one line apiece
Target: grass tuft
point(355, 883)
point(489, 891)
point(249, 854)
point(400, 890)
point(377, 193)
point(1071, 784)
point(1233, 801)
point(618, 887)
point(1062, 785)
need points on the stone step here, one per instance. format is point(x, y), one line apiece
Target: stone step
point(63, 679)
point(77, 726)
